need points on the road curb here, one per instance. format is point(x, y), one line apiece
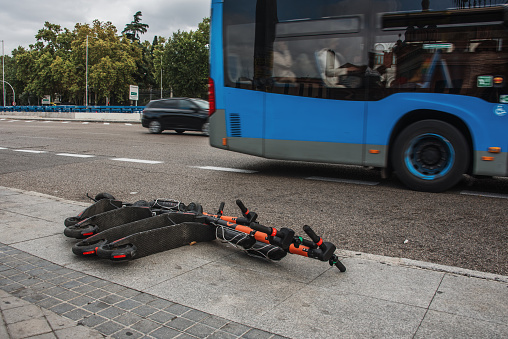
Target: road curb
point(404, 262)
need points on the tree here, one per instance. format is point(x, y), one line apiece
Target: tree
point(186, 60)
point(133, 30)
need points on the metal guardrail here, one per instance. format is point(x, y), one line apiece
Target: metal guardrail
point(90, 109)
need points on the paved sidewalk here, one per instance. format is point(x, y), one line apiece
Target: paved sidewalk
point(73, 116)
point(212, 290)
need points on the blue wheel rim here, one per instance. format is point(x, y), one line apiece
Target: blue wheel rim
point(429, 156)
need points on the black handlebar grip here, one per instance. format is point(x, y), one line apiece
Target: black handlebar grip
point(258, 227)
point(312, 234)
point(221, 208)
point(242, 207)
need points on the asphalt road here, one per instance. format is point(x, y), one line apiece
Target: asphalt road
point(348, 205)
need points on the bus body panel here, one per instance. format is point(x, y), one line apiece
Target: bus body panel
point(303, 117)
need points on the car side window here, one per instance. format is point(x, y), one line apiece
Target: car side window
point(186, 104)
point(170, 104)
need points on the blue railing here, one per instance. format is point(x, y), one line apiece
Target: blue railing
point(64, 108)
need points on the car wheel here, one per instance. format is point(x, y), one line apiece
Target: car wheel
point(179, 131)
point(205, 128)
point(155, 127)
point(430, 156)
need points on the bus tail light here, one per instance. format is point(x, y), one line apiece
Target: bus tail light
point(211, 96)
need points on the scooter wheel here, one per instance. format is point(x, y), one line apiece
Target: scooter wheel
point(87, 249)
point(71, 221)
point(77, 232)
point(120, 253)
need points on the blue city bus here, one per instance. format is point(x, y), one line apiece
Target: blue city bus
point(414, 87)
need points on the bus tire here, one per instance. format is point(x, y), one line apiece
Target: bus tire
point(430, 156)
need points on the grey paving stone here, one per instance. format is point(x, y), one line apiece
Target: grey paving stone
point(49, 302)
point(111, 312)
point(112, 299)
point(165, 333)
point(200, 330)
point(128, 333)
point(109, 327)
point(96, 306)
point(129, 304)
point(62, 308)
point(221, 335)
point(177, 309)
point(93, 320)
point(77, 314)
point(29, 328)
point(214, 321)
point(145, 326)
point(161, 317)
point(160, 303)
point(195, 315)
point(235, 328)
point(180, 323)
point(144, 310)
point(128, 318)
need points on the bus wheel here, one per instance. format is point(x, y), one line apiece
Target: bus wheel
point(430, 156)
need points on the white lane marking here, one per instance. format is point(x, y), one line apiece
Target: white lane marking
point(128, 124)
point(85, 123)
point(106, 123)
point(76, 155)
point(485, 194)
point(29, 121)
point(138, 161)
point(65, 122)
point(13, 120)
point(46, 121)
point(225, 169)
point(3, 119)
point(3, 148)
point(29, 151)
point(346, 181)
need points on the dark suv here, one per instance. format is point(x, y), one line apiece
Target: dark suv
point(179, 114)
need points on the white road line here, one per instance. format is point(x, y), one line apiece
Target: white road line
point(224, 169)
point(76, 155)
point(106, 123)
point(128, 124)
point(65, 122)
point(3, 148)
point(485, 194)
point(29, 121)
point(138, 161)
point(13, 120)
point(29, 151)
point(85, 123)
point(346, 181)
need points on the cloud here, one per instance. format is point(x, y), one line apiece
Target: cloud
point(22, 19)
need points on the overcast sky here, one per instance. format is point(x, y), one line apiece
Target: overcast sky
point(20, 20)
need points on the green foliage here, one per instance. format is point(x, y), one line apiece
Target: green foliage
point(185, 61)
point(56, 64)
point(133, 30)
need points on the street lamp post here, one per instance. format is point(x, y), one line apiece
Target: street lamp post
point(3, 72)
point(161, 76)
point(86, 76)
point(13, 92)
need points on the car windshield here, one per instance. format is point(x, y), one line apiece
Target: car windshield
point(201, 103)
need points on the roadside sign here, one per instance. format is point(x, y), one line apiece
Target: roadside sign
point(485, 81)
point(133, 92)
point(46, 100)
